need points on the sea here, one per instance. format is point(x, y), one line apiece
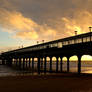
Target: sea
point(86, 67)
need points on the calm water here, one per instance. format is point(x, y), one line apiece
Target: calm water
point(8, 71)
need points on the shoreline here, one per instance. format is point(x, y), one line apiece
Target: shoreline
point(65, 82)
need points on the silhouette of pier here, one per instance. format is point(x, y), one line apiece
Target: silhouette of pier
point(23, 58)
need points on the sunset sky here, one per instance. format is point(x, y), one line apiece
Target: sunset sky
point(24, 22)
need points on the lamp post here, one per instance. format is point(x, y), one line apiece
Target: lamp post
point(22, 46)
point(90, 29)
point(37, 42)
point(42, 41)
point(90, 32)
point(75, 33)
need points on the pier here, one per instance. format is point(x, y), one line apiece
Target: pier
point(24, 58)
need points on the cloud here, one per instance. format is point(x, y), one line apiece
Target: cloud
point(7, 48)
point(80, 22)
point(45, 19)
point(22, 27)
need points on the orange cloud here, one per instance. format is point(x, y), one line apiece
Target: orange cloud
point(22, 27)
point(80, 22)
point(19, 26)
point(27, 35)
point(7, 48)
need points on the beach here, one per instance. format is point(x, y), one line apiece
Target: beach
point(47, 83)
point(18, 81)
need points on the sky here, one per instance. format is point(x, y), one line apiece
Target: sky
point(24, 22)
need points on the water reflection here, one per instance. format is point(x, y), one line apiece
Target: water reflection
point(86, 68)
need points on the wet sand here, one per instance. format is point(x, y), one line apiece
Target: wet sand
point(47, 83)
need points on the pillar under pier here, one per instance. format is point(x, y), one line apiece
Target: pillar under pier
point(38, 65)
point(3, 62)
point(20, 63)
point(61, 64)
point(45, 70)
point(23, 63)
point(68, 64)
point(79, 64)
point(32, 64)
point(29, 62)
point(50, 64)
point(41, 60)
point(26, 63)
point(16, 62)
point(56, 64)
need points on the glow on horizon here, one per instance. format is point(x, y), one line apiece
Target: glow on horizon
point(73, 58)
point(83, 58)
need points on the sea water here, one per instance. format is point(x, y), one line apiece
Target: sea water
point(86, 67)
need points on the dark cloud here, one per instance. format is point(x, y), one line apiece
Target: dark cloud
point(42, 10)
point(61, 17)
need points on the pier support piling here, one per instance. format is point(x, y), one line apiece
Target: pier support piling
point(32, 64)
point(41, 60)
point(16, 62)
point(29, 62)
point(68, 64)
point(3, 62)
point(26, 62)
point(50, 64)
point(56, 64)
point(20, 63)
point(23, 63)
point(45, 65)
point(79, 64)
point(38, 65)
point(61, 64)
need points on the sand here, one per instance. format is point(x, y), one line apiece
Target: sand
point(47, 83)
